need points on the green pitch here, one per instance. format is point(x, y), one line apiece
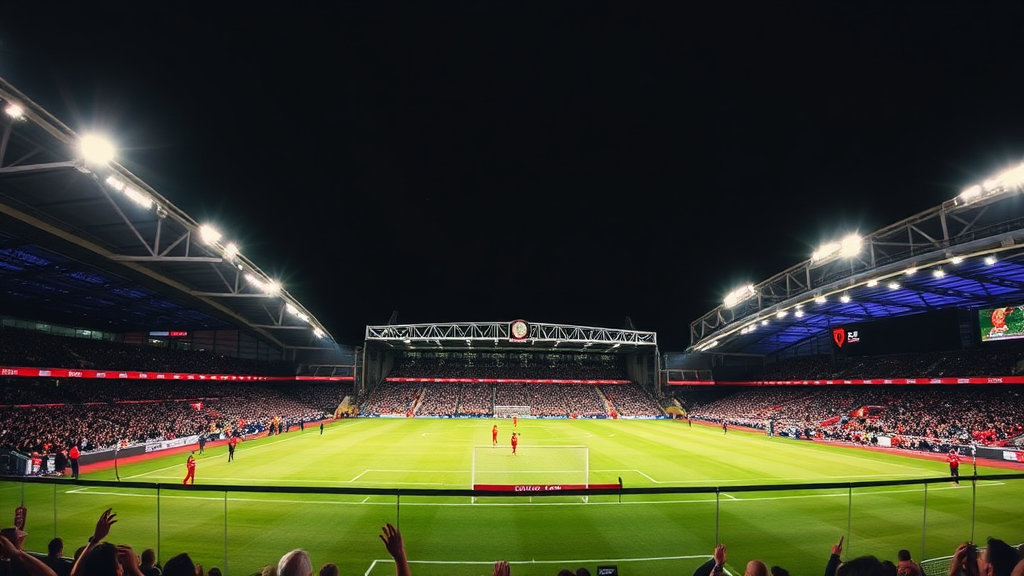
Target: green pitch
point(651, 534)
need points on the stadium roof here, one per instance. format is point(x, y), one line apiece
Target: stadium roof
point(90, 245)
point(967, 253)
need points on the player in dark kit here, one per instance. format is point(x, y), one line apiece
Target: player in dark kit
point(190, 466)
point(231, 448)
point(954, 466)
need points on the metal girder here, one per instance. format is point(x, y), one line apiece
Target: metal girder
point(931, 240)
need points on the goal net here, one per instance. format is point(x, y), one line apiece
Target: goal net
point(510, 411)
point(532, 469)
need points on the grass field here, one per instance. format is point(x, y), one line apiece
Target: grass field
point(650, 534)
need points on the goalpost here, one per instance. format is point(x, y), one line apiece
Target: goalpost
point(532, 469)
point(510, 411)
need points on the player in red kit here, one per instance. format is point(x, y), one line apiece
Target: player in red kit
point(190, 465)
point(494, 435)
point(515, 421)
point(954, 466)
point(515, 441)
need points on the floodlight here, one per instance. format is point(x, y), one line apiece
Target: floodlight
point(764, 322)
point(872, 283)
point(14, 111)
point(845, 298)
point(781, 314)
point(799, 314)
point(95, 149)
point(990, 260)
point(848, 247)
point(209, 234)
point(938, 273)
point(819, 299)
point(230, 251)
point(894, 285)
point(739, 295)
point(971, 194)
point(318, 332)
point(956, 259)
point(1013, 177)
point(910, 271)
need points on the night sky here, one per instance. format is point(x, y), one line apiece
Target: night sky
point(575, 163)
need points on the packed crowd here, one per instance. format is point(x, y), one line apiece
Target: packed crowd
point(30, 348)
point(1005, 361)
point(922, 417)
point(46, 415)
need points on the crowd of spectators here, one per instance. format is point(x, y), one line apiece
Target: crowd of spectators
point(923, 416)
point(34, 349)
point(101, 557)
point(46, 415)
point(972, 363)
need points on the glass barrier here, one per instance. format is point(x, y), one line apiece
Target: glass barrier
point(659, 530)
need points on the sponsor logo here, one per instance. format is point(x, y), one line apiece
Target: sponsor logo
point(528, 489)
point(74, 374)
point(101, 374)
point(8, 372)
point(839, 337)
point(995, 380)
point(44, 372)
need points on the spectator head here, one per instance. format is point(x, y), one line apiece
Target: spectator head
point(329, 569)
point(581, 571)
point(16, 536)
point(566, 572)
point(214, 572)
point(756, 568)
point(148, 557)
point(102, 560)
point(998, 558)
point(295, 563)
point(55, 548)
point(903, 555)
point(862, 566)
point(268, 570)
point(890, 568)
point(779, 571)
point(180, 565)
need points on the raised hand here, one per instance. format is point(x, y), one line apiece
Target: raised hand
point(107, 519)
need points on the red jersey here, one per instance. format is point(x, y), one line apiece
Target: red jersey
point(74, 452)
point(954, 459)
point(515, 439)
point(494, 432)
point(191, 463)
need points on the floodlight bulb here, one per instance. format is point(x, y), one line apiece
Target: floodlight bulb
point(938, 273)
point(872, 283)
point(14, 111)
point(990, 260)
point(894, 285)
point(799, 314)
point(781, 314)
point(910, 271)
point(209, 234)
point(819, 299)
point(95, 149)
point(956, 259)
point(845, 298)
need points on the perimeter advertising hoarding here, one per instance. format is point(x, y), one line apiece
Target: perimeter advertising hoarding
point(1003, 323)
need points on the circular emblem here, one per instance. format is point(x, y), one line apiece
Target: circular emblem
point(519, 330)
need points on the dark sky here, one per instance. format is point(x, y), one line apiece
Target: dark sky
point(575, 163)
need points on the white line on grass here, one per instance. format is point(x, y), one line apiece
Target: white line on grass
point(209, 458)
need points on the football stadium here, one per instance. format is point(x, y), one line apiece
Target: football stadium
point(864, 401)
